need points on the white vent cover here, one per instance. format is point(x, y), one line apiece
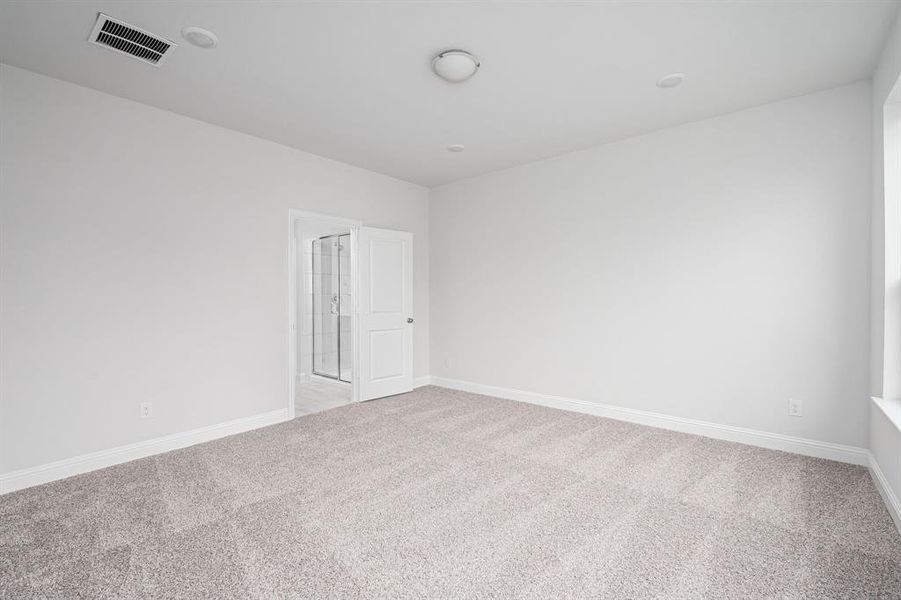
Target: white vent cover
point(127, 39)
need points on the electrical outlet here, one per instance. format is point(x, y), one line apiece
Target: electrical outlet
point(146, 410)
point(448, 363)
point(795, 407)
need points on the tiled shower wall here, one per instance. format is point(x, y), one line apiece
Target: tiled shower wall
point(305, 347)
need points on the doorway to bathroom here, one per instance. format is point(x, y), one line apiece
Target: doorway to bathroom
point(350, 307)
point(324, 311)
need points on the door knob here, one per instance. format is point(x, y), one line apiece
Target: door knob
point(409, 319)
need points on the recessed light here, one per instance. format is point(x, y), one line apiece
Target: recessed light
point(455, 148)
point(200, 37)
point(671, 80)
point(455, 65)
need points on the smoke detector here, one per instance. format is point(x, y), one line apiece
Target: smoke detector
point(670, 81)
point(123, 38)
point(200, 37)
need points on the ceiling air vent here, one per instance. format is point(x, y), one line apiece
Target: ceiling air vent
point(127, 39)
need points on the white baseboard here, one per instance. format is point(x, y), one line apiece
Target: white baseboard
point(32, 476)
point(764, 439)
point(885, 490)
point(17, 480)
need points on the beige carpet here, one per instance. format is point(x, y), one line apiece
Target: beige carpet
point(442, 494)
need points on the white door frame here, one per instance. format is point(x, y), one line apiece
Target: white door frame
point(295, 216)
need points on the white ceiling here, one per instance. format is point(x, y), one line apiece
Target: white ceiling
point(352, 80)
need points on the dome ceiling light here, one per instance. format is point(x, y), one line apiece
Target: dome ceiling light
point(455, 65)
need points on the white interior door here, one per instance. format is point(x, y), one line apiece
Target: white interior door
point(386, 312)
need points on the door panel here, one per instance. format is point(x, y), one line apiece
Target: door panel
point(387, 352)
point(387, 260)
point(386, 303)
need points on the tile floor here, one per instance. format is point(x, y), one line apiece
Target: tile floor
point(320, 394)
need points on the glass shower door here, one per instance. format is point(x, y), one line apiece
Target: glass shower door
point(325, 308)
point(332, 307)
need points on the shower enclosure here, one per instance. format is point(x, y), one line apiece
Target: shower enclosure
point(332, 307)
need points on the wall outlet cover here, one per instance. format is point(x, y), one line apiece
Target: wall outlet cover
point(795, 407)
point(146, 410)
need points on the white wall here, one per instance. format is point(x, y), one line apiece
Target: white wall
point(711, 271)
point(145, 257)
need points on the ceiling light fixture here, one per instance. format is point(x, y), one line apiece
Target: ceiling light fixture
point(200, 37)
point(455, 148)
point(671, 80)
point(455, 65)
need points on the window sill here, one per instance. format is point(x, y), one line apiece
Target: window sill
point(891, 407)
